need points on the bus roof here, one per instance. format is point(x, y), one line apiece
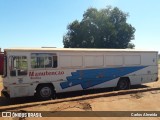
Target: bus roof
point(76, 49)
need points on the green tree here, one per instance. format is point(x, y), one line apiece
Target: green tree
point(105, 28)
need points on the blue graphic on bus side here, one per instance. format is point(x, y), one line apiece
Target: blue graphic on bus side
point(91, 77)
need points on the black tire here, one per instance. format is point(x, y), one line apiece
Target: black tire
point(45, 92)
point(123, 84)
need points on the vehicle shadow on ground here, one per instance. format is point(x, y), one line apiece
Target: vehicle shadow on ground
point(4, 101)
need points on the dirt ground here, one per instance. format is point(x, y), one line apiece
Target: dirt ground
point(148, 100)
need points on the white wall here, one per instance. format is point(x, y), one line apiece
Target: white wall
point(132, 59)
point(116, 60)
point(71, 61)
point(93, 60)
point(104, 59)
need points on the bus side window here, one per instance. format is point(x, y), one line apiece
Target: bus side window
point(48, 62)
point(19, 66)
point(43, 60)
point(54, 61)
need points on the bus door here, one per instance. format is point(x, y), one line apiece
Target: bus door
point(1, 63)
point(18, 68)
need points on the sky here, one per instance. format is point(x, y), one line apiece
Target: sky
point(43, 23)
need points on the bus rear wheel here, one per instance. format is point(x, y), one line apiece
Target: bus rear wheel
point(123, 84)
point(45, 92)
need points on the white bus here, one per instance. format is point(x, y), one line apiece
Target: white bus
point(46, 71)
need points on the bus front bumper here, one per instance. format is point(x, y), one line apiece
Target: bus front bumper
point(4, 93)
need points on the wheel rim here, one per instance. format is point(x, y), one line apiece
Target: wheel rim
point(45, 92)
point(123, 84)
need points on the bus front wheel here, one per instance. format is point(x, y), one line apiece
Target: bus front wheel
point(45, 92)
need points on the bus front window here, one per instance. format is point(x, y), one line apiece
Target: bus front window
point(18, 66)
